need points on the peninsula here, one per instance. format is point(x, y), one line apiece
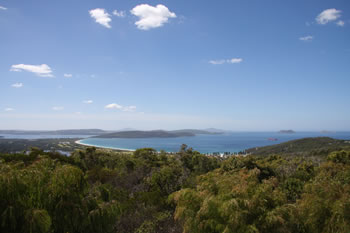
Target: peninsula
point(154, 134)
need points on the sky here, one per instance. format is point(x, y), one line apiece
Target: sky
point(230, 64)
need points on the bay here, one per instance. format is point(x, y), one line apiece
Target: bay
point(221, 143)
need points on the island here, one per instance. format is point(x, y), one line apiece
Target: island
point(286, 131)
point(327, 131)
point(155, 134)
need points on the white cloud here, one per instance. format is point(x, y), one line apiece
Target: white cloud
point(235, 60)
point(341, 23)
point(150, 16)
point(3, 8)
point(129, 109)
point(229, 61)
point(17, 85)
point(328, 15)
point(120, 14)
point(217, 62)
point(40, 70)
point(113, 106)
point(88, 101)
point(57, 108)
point(306, 38)
point(9, 109)
point(68, 75)
point(101, 17)
point(120, 107)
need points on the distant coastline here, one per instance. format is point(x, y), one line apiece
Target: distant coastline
point(156, 134)
point(289, 131)
point(104, 147)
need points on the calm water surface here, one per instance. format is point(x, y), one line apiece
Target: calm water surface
point(229, 142)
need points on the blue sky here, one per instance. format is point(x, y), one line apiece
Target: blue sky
point(232, 64)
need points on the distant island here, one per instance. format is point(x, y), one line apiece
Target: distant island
point(286, 131)
point(155, 134)
point(214, 130)
point(327, 131)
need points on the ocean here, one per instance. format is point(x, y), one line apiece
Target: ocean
point(220, 143)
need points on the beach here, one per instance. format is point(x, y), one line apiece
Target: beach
point(104, 147)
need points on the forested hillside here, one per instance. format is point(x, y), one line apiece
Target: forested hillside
point(99, 191)
point(320, 146)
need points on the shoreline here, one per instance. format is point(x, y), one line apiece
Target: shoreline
point(103, 147)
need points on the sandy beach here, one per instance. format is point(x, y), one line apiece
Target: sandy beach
point(104, 147)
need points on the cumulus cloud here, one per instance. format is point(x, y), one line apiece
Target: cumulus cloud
point(113, 106)
point(17, 85)
point(101, 17)
point(3, 8)
point(40, 70)
point(235, 60)
point(120, 107)
point(9, 109)
point(328, 15)
point(306, 38)
point(341, 23)
point(229, 61)
point(57, 108)
point(150, 16)
point(67, 75)
point(88, 101)
point(120, 14)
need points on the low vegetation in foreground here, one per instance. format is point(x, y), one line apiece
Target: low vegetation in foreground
point(145, 191)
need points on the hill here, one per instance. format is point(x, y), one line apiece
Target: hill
point(286, 131)
point(194, 131)
point(214, 130)
point(147, 134)
point(155, 134)
point(310, 146)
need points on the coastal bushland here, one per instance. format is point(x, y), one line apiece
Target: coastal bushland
point(147, 191)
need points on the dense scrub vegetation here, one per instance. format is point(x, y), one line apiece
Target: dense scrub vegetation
point(320, 146)
point(98, 191)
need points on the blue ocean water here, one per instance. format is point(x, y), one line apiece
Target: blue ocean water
point(228, 142)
